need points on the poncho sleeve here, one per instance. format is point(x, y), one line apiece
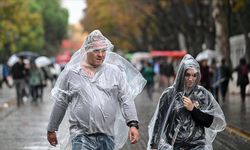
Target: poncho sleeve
point(60, 94)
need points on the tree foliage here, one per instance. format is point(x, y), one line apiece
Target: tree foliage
point(31, 25)
point(115, 20)
point(157, 24)
point(20, 29)
point(55, 21)
point(149, 24)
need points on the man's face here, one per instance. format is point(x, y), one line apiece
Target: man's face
point(190, 77)
point(96, 57)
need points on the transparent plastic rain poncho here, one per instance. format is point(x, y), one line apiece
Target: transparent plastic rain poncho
point(104, 103)
point(172, 126)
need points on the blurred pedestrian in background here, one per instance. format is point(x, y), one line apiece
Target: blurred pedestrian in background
point(205, 74)
point(48, 77)
point(4, 76)
point(157, 77)
point(225, 74)
point(242, 79)
point(148, 74)
point(167, 72)
point(187, 115)
point(214, 80)
point(99, 87)
point(18, 73)
point(55, 70)
point(36, 79)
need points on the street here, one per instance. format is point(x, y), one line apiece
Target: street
point(24, 128)
point(93, 50)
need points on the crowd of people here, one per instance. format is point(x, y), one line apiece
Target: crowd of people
point(159, 74)
point(215, 76)
point(27, 79)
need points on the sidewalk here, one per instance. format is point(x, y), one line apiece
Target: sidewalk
point(7, 101)
point(6, 93)
point(28, 126)
point(237, 115)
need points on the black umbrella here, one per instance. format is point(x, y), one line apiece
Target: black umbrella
point(27, 55)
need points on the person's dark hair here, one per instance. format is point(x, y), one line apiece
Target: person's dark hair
point(21, 57)
point(214, 60)
point(243, 61)
point(223, 61)
point(149, 64)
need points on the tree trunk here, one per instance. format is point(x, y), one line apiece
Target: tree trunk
point(221, 29)
point(247, 39)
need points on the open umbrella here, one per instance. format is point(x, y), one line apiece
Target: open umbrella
point(42, 61)
point(177, 54)
point(12, 60)
point(139, 56)
point(206, 55)
point(27, 55)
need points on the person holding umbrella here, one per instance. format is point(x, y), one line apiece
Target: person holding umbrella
point(19, 73)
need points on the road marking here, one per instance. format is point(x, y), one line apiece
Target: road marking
point(238, 132)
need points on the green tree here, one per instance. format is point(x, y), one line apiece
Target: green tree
point(55, 23)
point(31, 25)
point(20, 29)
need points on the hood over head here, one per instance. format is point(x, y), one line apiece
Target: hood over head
point(188, 62)
point(96, 41)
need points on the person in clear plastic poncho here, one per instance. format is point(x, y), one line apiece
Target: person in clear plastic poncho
point(98, 87)
point(187, 115)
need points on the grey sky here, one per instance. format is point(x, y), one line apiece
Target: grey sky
point(75, 8)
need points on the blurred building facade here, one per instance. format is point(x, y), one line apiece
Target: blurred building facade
point(238, 48)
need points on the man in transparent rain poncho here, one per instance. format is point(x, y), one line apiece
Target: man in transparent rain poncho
point(187, 116)
point(98, 87)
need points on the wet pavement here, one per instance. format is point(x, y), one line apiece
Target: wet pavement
point(7, 100)
point(24, 128)
point(237, 113)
